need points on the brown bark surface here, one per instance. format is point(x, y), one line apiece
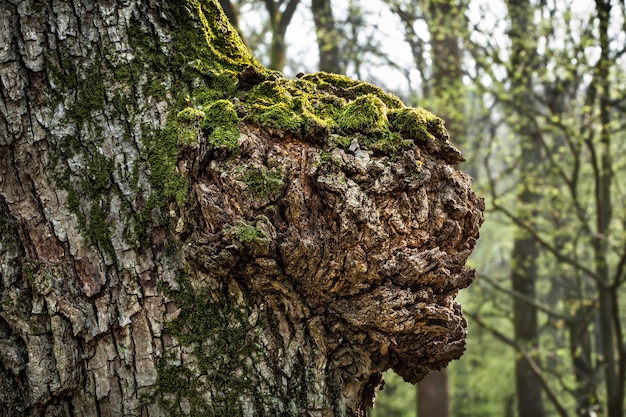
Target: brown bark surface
point(141, 275)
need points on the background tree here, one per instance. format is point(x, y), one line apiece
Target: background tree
point(569, 135)
point(280, 14)
point(327, 36)
point(524, 257)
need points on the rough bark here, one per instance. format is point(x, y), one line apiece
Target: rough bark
point(184, 233)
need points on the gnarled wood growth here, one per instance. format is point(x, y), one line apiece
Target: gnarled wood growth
point(186, 233)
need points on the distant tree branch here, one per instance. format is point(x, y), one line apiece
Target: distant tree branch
point(527, 357)
point(538, 305)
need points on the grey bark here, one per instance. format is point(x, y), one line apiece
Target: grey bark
point(142, 277)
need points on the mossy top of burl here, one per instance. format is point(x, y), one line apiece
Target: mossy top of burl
point(322, 105)
point(322, 108)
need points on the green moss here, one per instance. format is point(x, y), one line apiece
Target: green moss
point(220, 37)
point(329, 108)
point(246, 233)
point(388, 142)
point(90, 95)
point(416, 123)
point(340, 140)
point(217, 84)
point(390, 100)
point(325, 79)
point(128, 73)
point(190, 115)
point(278, 116)
point(92, 187)
point(160, 150)
point(216, 329)
point(347, 87)
point(365, 114)
point(98, 229)
point(264, 182)
point(222, 122)
point(189, 121)
point(99, 172)
point(156, 89)
point(297, 107)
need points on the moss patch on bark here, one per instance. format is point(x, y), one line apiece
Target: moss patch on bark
point(217, 332)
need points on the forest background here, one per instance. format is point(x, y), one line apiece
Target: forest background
point(533, 93)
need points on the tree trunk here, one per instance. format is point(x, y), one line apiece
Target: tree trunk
point(432, 395)
point(610, 348)
point(279, 21)
point(446, 25)
point(184, 232)
point(327, 36)
point(525, 252)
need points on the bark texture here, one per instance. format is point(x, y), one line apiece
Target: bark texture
point(186, 233)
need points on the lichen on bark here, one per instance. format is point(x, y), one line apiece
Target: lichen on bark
point(185, 232)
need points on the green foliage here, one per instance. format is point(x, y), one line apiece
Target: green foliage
point(397, 399)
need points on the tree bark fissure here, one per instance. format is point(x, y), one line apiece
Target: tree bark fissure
point(151, 267)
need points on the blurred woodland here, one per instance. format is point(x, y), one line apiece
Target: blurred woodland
point(533, 92)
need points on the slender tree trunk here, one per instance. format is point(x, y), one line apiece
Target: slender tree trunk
point(280, 18)
point(327, 36)
point(580, 351)
point(603, 172)
point(432, 395)
point(525, 247)
point(181, 235)
point(446, 25)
